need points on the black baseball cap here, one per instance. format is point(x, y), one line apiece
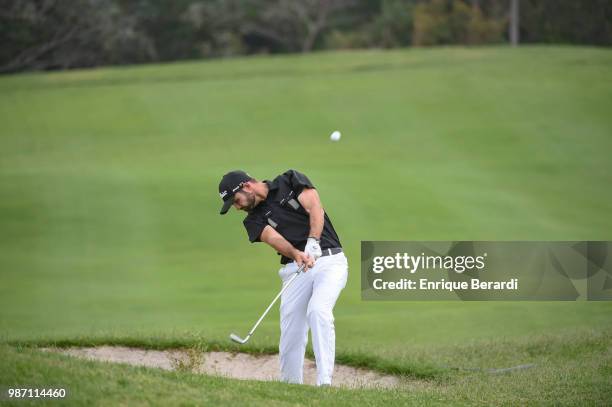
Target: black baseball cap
point(229, 185)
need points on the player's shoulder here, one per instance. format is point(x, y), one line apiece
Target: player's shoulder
point(291, 172)
point(297, 179)
point(285, 179)
point(292, 176)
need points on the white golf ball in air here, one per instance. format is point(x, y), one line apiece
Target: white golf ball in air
point(335, 136)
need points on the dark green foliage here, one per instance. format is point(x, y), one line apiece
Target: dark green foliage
point(61, 34)
point(58, 34)
point(567, 21)
point(443, 22)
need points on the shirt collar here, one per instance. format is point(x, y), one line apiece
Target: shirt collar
point(272, 185)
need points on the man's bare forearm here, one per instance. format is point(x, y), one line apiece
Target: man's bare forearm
point(317, 217)
point(309, 198)
point(282, 246)
point(278, 242)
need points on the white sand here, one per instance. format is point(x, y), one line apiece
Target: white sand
point(234, 365)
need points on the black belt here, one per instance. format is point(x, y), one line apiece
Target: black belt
point(331, 252)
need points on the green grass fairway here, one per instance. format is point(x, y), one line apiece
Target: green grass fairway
point(110, 233)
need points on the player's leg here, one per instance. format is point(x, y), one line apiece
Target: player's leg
point(330, 274)
point(293, 324)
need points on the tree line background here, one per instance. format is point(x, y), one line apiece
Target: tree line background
point(62, 34)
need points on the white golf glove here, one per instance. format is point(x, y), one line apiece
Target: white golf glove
point(313, 248)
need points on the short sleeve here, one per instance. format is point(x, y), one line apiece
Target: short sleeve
point(254, 227)
point(298, 181)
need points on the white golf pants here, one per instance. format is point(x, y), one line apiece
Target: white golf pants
point(308, 303)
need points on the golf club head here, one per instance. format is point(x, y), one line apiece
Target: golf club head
point(238, 339)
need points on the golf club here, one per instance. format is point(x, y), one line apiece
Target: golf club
point(240, 340)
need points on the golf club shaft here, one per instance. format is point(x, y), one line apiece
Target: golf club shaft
point(297, 273)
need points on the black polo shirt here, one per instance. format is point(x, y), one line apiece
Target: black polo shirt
point(282, 210)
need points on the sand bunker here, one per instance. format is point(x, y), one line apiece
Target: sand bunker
point(234, 365)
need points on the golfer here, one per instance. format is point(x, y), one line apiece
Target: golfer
point(287, 214)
